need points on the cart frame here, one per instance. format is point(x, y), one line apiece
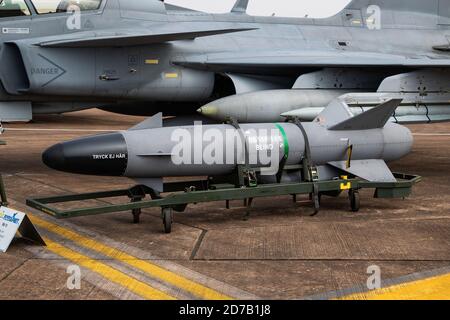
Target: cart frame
point(181, 194)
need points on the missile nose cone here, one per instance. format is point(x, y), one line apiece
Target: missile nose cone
point(102, 155)
point(208, 110)
point(53, 157)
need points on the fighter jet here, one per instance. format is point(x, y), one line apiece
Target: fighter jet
point(145, 56)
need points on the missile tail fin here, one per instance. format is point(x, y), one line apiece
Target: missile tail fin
point(151, 123)
point(372, 119)
point(336, 112)
point(155, 184)
point(372, 170)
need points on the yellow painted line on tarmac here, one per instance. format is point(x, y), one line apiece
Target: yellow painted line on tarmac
point(151, 269)
point(140, 288)
point(435, 288)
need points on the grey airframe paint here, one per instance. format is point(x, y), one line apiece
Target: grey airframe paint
point(141, 51)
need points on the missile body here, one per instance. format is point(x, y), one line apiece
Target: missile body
point(276, 105)
point(149, 151)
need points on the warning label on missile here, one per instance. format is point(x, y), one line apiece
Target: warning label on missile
point(109, 156)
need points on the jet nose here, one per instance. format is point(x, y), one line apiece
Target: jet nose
point(102, 155)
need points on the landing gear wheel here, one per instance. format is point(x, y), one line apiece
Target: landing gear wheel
point(354, 200)
point(167, 216)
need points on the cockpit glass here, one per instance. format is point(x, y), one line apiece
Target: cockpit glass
point(13, 8)
point(56, 6)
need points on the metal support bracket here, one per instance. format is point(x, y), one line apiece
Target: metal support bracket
point(310, 172)
point(246, 175)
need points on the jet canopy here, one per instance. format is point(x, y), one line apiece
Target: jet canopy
point(54, 6)
point(17, 8)
point(13, 8)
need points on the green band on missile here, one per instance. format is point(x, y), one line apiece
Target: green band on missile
point(285, 140)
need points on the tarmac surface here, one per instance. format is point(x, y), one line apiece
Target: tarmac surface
point(281, 252)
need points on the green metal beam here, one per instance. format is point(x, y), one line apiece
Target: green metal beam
point(182, 195)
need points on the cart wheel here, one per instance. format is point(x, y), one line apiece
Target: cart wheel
point(167, 215)
point(316, 202)
point(354, 200)
point(136, 215)
point(316, 198)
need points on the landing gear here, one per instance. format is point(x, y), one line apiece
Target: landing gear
point(354, 200)
point(167, 217)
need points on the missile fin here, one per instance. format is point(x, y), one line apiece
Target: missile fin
point(155, 154)
point(153, 183)
point(336, 112)
point(372, 170)
point(151, 123)
point(188, 120)
point(372, 119)
point(304, 114)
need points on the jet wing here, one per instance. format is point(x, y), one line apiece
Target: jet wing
point(136, 37)
point(253, 62)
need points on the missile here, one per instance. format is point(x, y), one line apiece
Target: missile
point(276, 105)
point(403, 115)
point(148, 151)
point(267, 106)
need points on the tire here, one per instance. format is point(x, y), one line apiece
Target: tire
point(355, 201)
point(167, 215)
point(136, 216)
point(316, 198)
